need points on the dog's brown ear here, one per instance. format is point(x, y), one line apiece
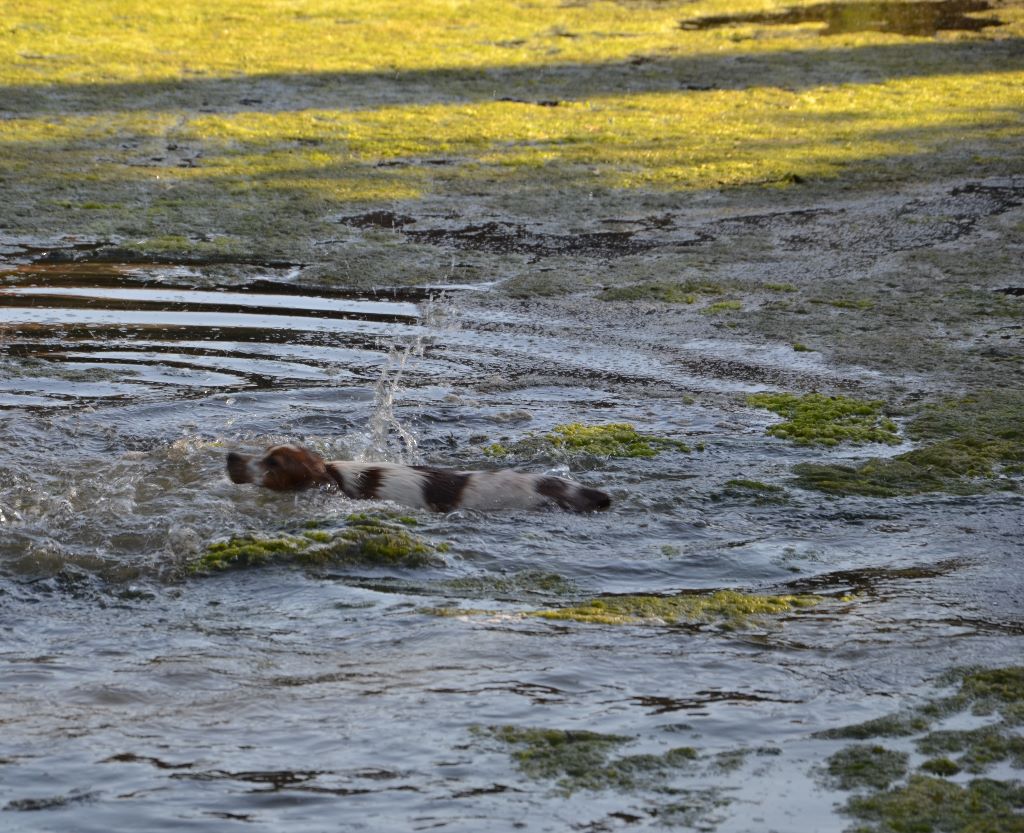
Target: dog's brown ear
point(290, 467)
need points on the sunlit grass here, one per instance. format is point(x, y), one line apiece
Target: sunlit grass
point(660, 140)
point(88, 41)
point(398, 101)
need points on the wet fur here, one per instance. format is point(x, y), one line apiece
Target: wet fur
point(292, 467)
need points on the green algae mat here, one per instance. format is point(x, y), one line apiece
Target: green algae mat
point(368, 540)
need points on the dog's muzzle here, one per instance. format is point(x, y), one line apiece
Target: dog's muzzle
point(238, 467)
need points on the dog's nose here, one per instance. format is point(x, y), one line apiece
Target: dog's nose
point(238, 467)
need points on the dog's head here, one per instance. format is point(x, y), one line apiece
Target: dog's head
point(282, 468)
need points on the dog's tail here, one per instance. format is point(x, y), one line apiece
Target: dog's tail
point(573, 496)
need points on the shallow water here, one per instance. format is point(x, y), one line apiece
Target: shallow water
point(280, 699)
point(923, 19)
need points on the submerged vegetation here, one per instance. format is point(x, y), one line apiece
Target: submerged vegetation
point(968, 445)
point(381, 540)
point(730, 608)
point(726, 609)
point(580, 760)
point(926, 801)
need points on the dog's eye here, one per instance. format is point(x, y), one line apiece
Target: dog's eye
point(270, 462)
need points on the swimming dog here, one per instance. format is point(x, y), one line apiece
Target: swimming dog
point(292, 467)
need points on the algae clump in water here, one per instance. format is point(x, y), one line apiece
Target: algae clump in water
point(365, 539)
point(729, 607)
point(867, 766)
point(971, 445)
point(614, 439)
point(929, 802)
point(582, 760)
point(816, 419)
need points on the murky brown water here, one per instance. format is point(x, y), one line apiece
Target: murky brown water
point(279, 699)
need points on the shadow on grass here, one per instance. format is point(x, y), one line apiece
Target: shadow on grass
point(544, 84)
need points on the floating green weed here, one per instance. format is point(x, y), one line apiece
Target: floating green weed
point(366, 539)
point(728, 607)
point(816, 419)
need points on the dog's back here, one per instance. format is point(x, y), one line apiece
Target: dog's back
point(443, 490)
point(291, 467)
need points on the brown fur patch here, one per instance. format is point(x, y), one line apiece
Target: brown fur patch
point(442, 490)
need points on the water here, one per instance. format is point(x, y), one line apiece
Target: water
point(920, 18)
point(279, 699)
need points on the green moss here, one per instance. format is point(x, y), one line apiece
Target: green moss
point(980, 747)
point(670, 293)
point(455, 612)
point(728, 607)
point(889, 726)
point(496, 450)
point(519, 584)
point(801, 348)
point(816, 419)
point(866, 766)
point(722, 306)
point(927, 804)
point(940, 766)
point(970, 443)
point(981, 691)
point(366, 539)
point(580, 760)
point(617, 439)
point(730, 761)
point(992, 691)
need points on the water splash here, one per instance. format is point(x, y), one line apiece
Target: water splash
point(390, 439)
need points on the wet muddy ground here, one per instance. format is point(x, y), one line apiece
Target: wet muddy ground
point(766, 632)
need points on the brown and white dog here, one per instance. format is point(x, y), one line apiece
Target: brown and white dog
point(291, 467)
